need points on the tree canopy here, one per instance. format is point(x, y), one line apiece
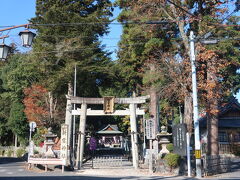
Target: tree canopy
point(153, 58)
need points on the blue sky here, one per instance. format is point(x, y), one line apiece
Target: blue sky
point(16, 12)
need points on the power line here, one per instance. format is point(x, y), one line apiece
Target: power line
point(160, 22)
point(124, 46)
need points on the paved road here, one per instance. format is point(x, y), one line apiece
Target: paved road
point(14, 169)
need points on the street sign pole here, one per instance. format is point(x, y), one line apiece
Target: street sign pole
point(32, 126)
point(150, 158)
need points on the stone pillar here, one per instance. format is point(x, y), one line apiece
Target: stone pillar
point(68, 121)
point(134, 139)
point(81, 136)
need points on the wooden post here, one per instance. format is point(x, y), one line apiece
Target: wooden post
point(81, 136)
point(134, 138)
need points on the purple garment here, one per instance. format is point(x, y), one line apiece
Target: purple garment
point(93, 144)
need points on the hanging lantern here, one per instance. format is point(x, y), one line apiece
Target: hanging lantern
point(4, 50)
point(27, 37)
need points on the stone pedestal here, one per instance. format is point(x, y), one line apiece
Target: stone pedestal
point(164, 149)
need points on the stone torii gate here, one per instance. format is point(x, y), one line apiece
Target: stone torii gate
point(133, 112)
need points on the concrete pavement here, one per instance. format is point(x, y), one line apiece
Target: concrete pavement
point(14, 169)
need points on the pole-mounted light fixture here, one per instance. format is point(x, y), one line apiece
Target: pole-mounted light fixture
point(4, 50)
point(27, 37)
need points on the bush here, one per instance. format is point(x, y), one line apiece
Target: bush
point(172, 160)
point(20, 152)
point(38, 136)
point(35, 151)
point(236, 150)
point(170, 147)
point(9, 153)
point(2, 152)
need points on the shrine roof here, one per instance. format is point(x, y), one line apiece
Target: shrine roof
point(225, 121)
point(110, 129)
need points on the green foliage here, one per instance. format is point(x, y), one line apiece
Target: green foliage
point(17, 121)
point(172, 160)
point(20, 152)
point(36, 151)
point(2, 152)
point(5, 133)
point(38, 136)
point(170, 147)
point(18, 74)
point(9, 153)
point(70, 45)
point(236, 149)
point(124, 126)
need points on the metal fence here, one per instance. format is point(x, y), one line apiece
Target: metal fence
point(108, 161)
point(224, 148)
point(216, 164)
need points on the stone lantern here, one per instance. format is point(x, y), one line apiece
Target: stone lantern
point(49, 142)
point(164, 139)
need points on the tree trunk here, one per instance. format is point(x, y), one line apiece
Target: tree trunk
point(16, 141)
point(15, 145)
point(51, 107)
point(154, 100)
point(153, 105)
point(68, 120)
point(212, 115)
point(188, 113)
point(212, 128)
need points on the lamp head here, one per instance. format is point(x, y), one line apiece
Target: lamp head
point(4, 50)
point(27, 37)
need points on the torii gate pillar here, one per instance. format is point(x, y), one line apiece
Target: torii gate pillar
point(134, 138)
point(68, 121)
point(81, 136)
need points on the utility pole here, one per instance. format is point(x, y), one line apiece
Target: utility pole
point(74, 116)
point(195, 107)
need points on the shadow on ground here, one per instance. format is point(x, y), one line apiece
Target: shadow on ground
point(85, 178)
point(7, 160)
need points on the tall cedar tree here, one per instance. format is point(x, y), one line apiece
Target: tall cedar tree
point(67, 34)
point(171, 61)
